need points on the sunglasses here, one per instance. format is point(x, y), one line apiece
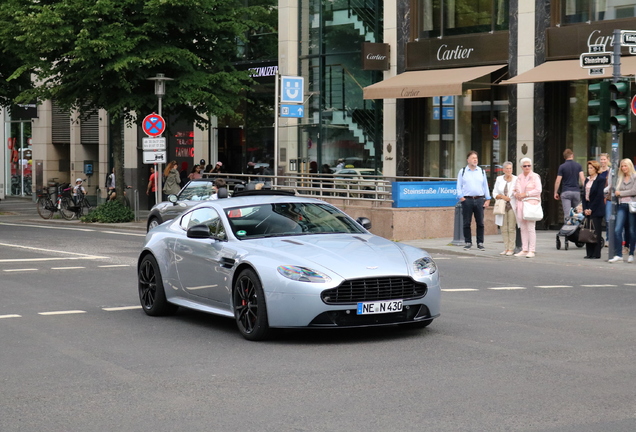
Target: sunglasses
point(526, 166)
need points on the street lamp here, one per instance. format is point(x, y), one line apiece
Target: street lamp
point(160, 92)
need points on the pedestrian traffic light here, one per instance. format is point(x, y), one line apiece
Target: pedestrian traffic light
point(620, 105)
point(599, 105)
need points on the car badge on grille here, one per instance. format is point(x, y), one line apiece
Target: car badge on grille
point(372, 267)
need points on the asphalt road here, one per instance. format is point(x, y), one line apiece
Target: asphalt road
point(520, 346)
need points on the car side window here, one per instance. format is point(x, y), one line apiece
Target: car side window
point(206, 216)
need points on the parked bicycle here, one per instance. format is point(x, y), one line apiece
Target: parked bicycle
point(75, 207)
point(49, 203)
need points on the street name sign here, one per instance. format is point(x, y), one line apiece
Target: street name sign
point(596, 60)
point(153, 143)
point(154, 157)
point(628, 38)
point(596, 71)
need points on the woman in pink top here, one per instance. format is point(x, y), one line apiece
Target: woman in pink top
point(528, 186)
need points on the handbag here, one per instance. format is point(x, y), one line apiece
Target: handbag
point(586, 233)
point(632, 206)
point(532, 212)
point(500, 207)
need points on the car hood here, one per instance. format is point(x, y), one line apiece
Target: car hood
point(360, 255)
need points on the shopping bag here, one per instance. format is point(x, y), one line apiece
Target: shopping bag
point(586, 233)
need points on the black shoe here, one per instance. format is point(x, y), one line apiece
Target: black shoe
point(481, 247)
point(588, 257)
point(468, 246)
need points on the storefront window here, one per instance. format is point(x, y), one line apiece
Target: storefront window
point(18, 157)
point(435, 18)
point(580, 11)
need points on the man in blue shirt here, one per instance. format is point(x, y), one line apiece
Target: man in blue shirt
point(472, 192)
point(569, 177)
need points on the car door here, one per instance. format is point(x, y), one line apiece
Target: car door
point(203, 271)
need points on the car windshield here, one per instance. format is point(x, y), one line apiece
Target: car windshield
point(197, 191)
point(286, 219)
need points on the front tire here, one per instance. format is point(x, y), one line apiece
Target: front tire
point(250, 311)
point(45, 208)
point(153, 223)
point(151, 293)
point(65, 209)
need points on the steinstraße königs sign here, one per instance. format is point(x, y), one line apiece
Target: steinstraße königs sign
point(424, 194)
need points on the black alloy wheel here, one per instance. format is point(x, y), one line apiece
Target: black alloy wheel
point(151, 293)
point(250, 310)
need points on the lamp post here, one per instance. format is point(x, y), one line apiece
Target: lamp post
point(160, 91)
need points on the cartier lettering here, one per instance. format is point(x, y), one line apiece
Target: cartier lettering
point(595, 38)
point(375, 57)
point(457, 53)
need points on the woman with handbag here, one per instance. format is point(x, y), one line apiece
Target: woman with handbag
point(594, 207)
point(626, 195)
point(527, 192)
point(506, 218)
point(173, 180)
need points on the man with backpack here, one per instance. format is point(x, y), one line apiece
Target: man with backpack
point(473, 193)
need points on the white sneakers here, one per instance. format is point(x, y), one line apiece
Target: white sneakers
point(617, 259)
point(630, 259)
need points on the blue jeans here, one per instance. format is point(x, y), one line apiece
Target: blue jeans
point(623, 217)
point(474, 206)
point(608, 213)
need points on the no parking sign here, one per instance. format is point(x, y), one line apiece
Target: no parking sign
point(633, 105)
point(153, 125)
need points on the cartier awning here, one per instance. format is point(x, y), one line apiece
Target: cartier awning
point(568, 70)
point(428, 83)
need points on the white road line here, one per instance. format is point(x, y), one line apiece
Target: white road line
point(124, 233)
point(122, 308)
point(507, 288)
point(114, 265)
point(597, 286)
point(62, 312)
point(459, 289)
point(10, 316)
point(66, 268)
point(630, 284)
point(50, 250)
point(50, 259)
point(18, 270)
point(553, 286)
point(49, 227)
point(441, 258)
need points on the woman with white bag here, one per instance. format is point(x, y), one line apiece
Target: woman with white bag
point(507, 221)
point(626, 195)
point(528, 194)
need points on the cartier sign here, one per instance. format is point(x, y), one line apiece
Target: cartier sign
point(457, 51)
point(376, 56)
point(569, 42)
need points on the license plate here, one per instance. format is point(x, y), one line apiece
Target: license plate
point(367, 308)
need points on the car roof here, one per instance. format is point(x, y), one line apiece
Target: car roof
point(247, 200)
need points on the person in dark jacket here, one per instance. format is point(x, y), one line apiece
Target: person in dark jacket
point(594, 206)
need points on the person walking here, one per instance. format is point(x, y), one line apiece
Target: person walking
point(625, 193)
point(594, 206)
point(473, 193)
point(173, 180)
point(503, 189)
point(528, 187)
point(152, 188)
point(570, 178)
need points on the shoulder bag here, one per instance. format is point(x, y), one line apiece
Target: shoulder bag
point(500, 207)
point(586, 232)
point(532, 212)
point(632, 206)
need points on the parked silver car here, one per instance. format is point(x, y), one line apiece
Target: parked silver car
point(281, 261)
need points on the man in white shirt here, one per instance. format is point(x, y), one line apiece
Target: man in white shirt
point(473, 193)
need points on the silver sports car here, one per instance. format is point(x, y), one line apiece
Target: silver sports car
point(279, 261)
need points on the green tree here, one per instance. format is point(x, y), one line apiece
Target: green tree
point(92, 54)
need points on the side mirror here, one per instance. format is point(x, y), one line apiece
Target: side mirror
point(364, 222)
point(172, 198)
point(198, 231)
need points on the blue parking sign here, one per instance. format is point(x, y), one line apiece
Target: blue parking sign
point(292, 89)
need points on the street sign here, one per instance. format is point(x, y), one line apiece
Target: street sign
point(448, 113)
point(596, 48)
point(596, 60)
point(153, 157)
point(295, 111)
point(153, 125)
point(444, 100)
point(633, 105)
point(596, 71)
point(628, 38)
point(292, 89)
point(153, 143)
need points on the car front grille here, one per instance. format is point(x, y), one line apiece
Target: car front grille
point(374, 289)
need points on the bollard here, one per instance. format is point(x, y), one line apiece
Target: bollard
point(458, 235)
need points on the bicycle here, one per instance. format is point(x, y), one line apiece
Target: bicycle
point(46, 206)
point(75, 207)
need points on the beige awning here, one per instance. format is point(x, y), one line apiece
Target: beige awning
point(569, 70)
point(428, 83)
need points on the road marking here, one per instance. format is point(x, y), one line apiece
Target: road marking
point(553, 286)
point(597, 286)
point(630, 284)
point(114, 265)
point(10, 316)
point(66, 268)
point(17, 270)
point(123, 233)
point(122, 308)
point(459, 289)
point(49, 227)
point(68, 312)
point(507, 288)
point(441, 258)
point(81, 256)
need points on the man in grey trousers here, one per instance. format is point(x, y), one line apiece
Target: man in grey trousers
point(569, 177)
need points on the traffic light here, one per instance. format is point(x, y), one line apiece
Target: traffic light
point(599, 105)
point(620, 105)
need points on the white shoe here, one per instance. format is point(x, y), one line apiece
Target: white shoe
point(521, 254)
point(630, 259)
point(530, 255)
point(615, 259)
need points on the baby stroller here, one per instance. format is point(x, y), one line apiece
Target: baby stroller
point(570, 230)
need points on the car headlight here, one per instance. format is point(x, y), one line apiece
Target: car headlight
point(303, 274)
point(425, 266)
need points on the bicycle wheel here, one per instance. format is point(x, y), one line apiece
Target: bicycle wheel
point(45, 207)
point(85, 208)
point(66, 209)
